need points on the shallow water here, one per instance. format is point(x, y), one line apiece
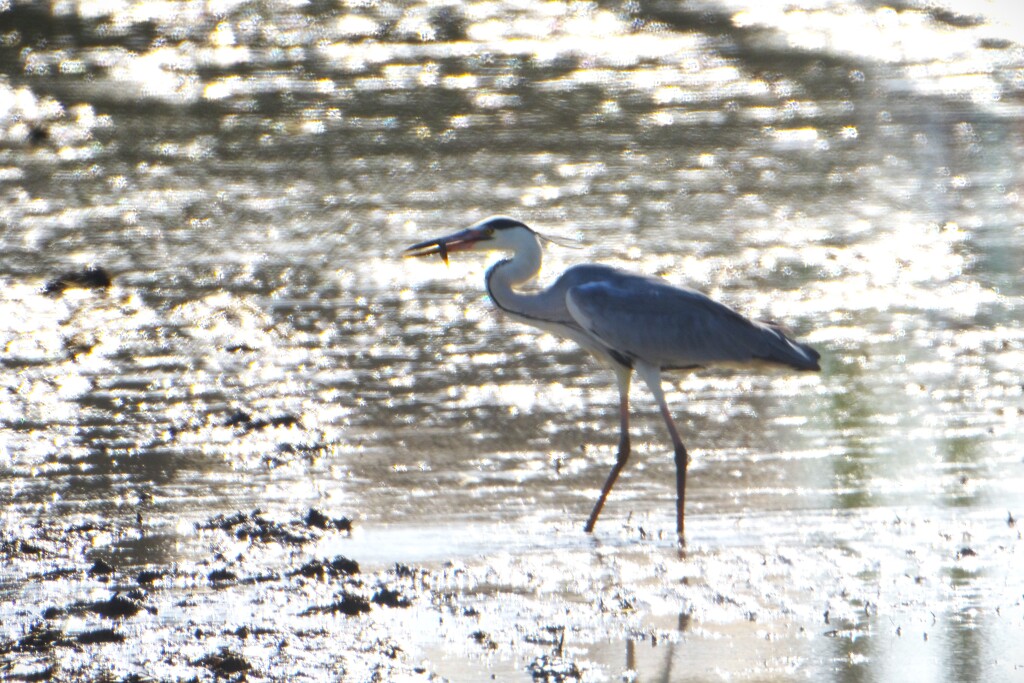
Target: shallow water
point(249, 173)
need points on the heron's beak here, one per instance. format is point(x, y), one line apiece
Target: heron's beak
point(459, 241)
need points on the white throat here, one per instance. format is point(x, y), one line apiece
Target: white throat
point(525, 263)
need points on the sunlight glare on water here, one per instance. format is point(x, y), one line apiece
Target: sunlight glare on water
point(248, 175)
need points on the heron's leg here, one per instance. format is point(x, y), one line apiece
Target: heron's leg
point(652, 377)
point(623, 374)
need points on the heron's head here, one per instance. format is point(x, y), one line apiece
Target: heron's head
point(495, 233)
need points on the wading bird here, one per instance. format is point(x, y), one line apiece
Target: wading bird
point(630, 322)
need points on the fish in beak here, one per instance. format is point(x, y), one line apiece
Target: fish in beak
point(464, 240)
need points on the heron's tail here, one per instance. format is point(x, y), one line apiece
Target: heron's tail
point(785, 350)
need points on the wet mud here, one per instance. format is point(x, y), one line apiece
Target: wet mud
point(327, 617)
point(263, 603)
point(130, 609)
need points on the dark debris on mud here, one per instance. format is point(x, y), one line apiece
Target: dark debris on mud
point(287, 431)
point(259, 605)
point(18, 547)
point(245, 422)
point(322, 569)
point(90, 277)
point(347, 603)
point(42, 639)
point(388, 597)
point(552, 669)
point(117, 606)
point(325, 601)
point(225, 664)
point(255, 527)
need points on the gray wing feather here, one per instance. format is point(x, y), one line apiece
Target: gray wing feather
point(673, 327)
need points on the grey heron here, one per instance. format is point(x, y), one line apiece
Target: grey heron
point(628, 321)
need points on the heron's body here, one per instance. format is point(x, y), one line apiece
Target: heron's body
point(631, 322)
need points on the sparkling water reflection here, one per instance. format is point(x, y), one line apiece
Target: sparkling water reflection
point(249, 172)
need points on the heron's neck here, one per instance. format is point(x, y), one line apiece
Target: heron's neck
point(504, 276)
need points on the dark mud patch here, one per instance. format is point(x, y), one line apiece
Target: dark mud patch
point(257, 606)
point(554, 670)
point(40, 638)
point(322, 569)
point(245, 422)
point(255, 527)
point(100, 568)
point(265, 610)
point(147, 577)
point(100, 635)
point(221, 575)
point(118, 606)
point(388, 597)
point(277, 439)
point(346, 603)
point(226, 664)
point(20, 548)
point(484, 640)
point(316, 519)
point(91, 277)
point(43, 638)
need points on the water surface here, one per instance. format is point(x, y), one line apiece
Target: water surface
point(248, 173)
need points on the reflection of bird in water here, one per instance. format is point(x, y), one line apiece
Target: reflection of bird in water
point(631, 322)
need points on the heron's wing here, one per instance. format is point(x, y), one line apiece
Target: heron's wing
point(646, 319)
